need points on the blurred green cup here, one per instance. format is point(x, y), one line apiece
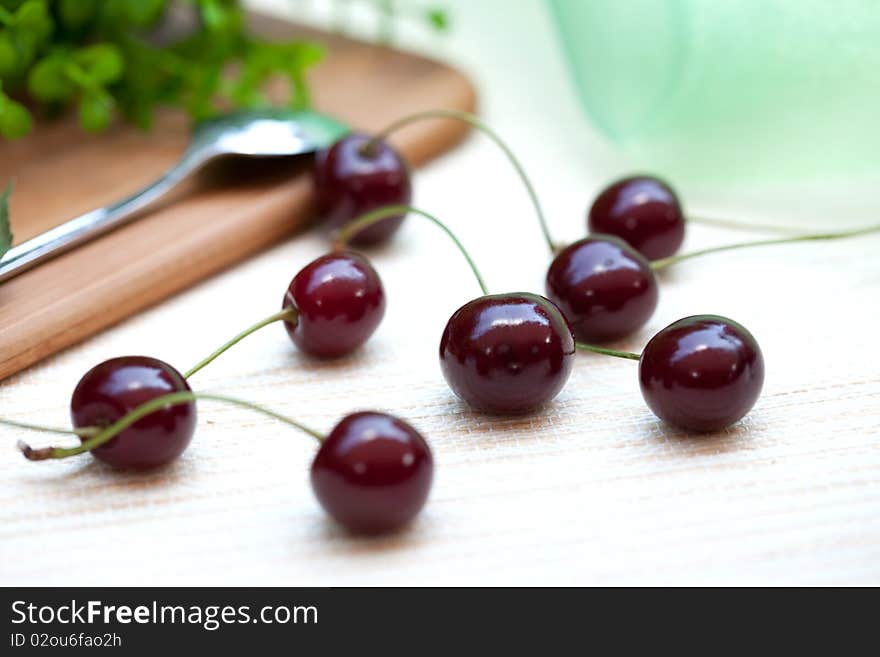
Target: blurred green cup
point(721, 89)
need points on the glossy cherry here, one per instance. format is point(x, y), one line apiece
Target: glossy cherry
point(644, 212)
point(507, 353)
point(702, 373)
point(373, 472)
point(358, 174)
point(112, 389)
point(604, 288)
point(339, 300)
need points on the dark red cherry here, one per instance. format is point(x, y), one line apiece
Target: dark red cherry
point(372, 473)
point(702, 373)
point(507, 353)
point(644, 212)
point(604, 288)
point(352, 179)
point(116, 387)
point(340, 300)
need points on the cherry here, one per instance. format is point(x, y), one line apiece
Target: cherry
point(607, 290)
point(372, 473)
point(357, 174)
point(345, 179)
point(604, 287)
point(701, 373)
point(507, 353)
point(644, 212)
point(331, 307)
point(339, 302)
point(114, 388)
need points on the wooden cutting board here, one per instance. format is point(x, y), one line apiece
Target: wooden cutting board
point(230, 215)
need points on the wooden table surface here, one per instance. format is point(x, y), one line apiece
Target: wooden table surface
point(592, 490)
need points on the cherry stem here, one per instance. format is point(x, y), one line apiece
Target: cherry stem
point(355, 226)
point(104, 435)
point(288, 315)
point(583, 346)
point(85, 432)
point(663, 263)
point(474, 122)
point(738, 225)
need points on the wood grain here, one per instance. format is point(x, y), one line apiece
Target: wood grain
point(230, 215)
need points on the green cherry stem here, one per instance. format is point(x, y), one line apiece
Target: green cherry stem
point(344, 234)
point(663, 263)
point(477, 123)
point(174, 399)
point(738, 225)
point(286, 315)
point(583, 346)
point(85, 432)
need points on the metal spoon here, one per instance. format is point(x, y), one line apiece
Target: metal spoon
point(253, 134)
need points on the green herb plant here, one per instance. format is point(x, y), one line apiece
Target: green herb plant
point(390, 12)
point(106, 57)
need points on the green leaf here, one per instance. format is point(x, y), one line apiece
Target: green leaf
point(142, 115)
point(33, 17)
point(438, 19)
point(120, 15)
point(48, 80)
point(213, 14)
point(143, 13)
point(98, 57)
point(8, 56)
point(75, 14)
point(103, 63)
point(5, 228)
point(26, 47)
point(221, 16)
point(15, 120)
point(96, 111)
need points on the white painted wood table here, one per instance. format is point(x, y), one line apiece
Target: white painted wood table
point(592, 490)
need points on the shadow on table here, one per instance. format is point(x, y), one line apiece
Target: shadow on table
point(649, 428)
point(726, 441)
point(368, 544)
point(90, 470)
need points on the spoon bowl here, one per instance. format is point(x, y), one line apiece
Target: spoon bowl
point(266, 133)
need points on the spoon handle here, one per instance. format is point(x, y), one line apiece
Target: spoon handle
point(91, 225)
